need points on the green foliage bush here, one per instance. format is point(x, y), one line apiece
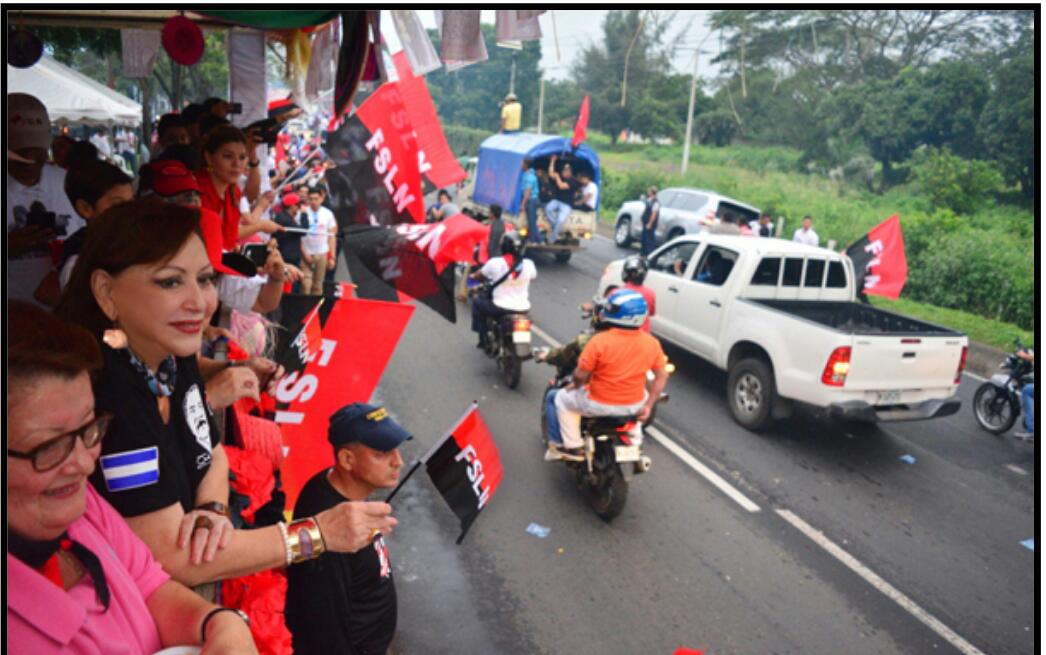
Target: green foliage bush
point(716, 127)
point(464, 141)
point(948, 181)
point(622, 186)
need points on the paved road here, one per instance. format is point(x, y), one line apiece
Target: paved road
point(927, 555)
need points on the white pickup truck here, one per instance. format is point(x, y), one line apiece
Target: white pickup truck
point(782, 319)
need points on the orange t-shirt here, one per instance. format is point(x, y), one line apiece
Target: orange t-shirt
point(619, 360)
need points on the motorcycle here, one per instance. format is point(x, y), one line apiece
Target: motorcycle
point(508, 340)
point(612, 454)
point(997, 402)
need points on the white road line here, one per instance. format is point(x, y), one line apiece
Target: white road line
point(546, 336)
point(975, 376)
point(702, 470)
point(1016, 469)
point(883, 586)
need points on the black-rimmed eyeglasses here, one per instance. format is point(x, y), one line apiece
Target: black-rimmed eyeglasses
point(53, 452)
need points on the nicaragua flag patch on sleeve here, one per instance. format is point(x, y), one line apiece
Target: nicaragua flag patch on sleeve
point(131, 469)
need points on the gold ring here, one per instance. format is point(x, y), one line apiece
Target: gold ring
point(374, 532)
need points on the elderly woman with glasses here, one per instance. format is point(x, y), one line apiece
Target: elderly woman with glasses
point(78, 579)
point(144, 287)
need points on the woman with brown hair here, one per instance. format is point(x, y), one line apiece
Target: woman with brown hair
point(78, 579)
point(225, 159)
point(145, 288)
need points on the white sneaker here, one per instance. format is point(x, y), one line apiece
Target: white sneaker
point(1024, 435)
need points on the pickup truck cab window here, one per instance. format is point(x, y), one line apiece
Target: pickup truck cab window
point(716, 265)
point(836, 275)
point(793, 272)
point(814, 277)
point(674, 260)
point(768, 272)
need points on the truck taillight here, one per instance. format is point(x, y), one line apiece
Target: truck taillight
point(962, 364)
point(837, 367)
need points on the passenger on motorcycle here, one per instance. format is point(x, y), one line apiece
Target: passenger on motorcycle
point(509, 276)
point(633, 272)
point(1027, 402)
point(610, 378)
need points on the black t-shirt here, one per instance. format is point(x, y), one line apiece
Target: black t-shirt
point(565, 195)
point(340, 603)
point(145, 465)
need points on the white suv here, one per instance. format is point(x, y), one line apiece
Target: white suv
point(683, 211)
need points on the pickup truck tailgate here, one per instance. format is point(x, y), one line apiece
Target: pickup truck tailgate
point(904, 362)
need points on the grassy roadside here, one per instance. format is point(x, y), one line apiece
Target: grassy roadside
point(979, 329)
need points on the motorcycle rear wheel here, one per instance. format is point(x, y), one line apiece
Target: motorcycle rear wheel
point(511, 370)
point(609, 494)
point(993, 409)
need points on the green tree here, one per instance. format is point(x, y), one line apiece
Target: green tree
point(1007, 125)
point(655, 100)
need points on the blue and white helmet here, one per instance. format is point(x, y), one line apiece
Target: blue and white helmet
point(624, 308)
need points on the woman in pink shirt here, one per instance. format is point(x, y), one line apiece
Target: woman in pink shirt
point(78, 579)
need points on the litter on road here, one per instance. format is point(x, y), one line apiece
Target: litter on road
point(908, 459)
point(1029, 544)
point(538, 531)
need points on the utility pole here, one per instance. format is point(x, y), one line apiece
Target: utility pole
point(541, 105)
point(690, 111)
point(512, 76)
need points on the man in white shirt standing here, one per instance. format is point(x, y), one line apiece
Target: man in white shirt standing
point(806, 233)
point(38, 211)
point(317, 247)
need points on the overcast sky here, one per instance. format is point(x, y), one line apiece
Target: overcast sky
point(577, 28)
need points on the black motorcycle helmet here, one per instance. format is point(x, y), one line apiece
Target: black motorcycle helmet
point(634, 270)
point(511, 243)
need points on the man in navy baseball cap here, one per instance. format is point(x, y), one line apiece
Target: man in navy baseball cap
point(365, 424)
point(346, 603)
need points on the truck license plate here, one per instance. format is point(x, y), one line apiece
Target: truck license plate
point(891, 397)
point(627, 453)
point(521, 337)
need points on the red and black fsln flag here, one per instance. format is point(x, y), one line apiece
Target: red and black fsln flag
point(466, 468)
point(880, 265)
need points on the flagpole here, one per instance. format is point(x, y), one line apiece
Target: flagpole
point(416, 466)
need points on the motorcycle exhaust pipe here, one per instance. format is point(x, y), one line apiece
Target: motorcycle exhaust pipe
point(644, 464)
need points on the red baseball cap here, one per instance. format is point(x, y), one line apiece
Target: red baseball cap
point(290, 199)
point(228, 263)
point(171, 177)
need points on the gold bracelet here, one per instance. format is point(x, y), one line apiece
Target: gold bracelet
point(287, 545)
point(306, 540)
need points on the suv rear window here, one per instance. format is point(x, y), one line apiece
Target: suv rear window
point(814, 273)
point(836, 275)
point(793, 272)
point(767, 272)
point(743, 214)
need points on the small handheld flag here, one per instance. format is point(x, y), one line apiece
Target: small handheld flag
point(466, 468)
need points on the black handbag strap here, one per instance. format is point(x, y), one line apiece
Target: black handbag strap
point(515, 266)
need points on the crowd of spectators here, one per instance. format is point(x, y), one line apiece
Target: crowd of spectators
point(140, 307)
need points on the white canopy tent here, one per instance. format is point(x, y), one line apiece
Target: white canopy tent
point(71, 97)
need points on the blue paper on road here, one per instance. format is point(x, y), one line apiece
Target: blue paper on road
point(538, 531)
point(1029, 544)
point(908, 459)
